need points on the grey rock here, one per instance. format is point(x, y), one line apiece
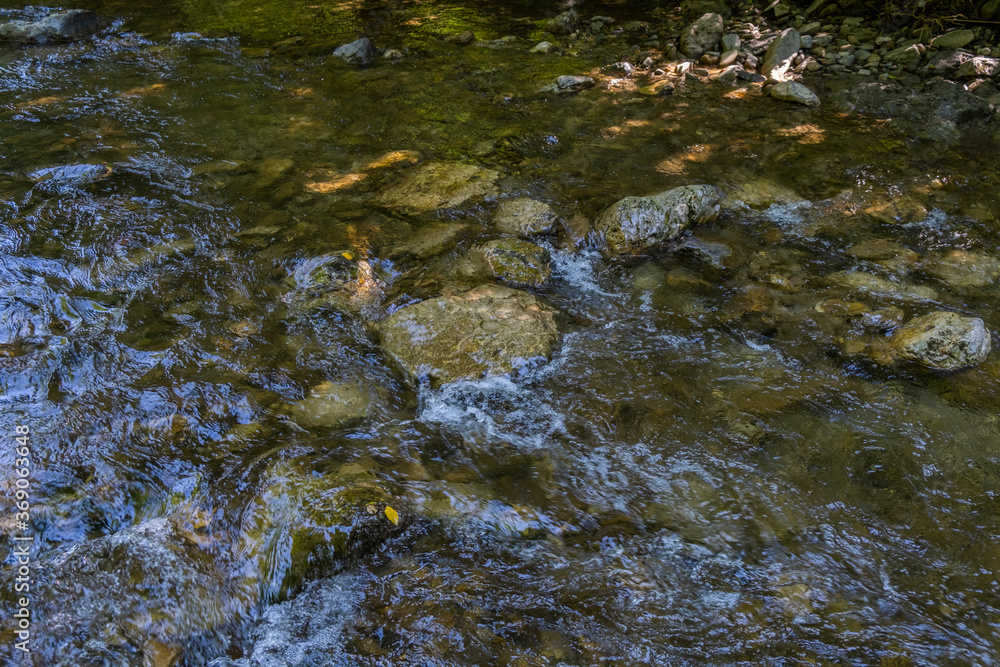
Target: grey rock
point(714, 253)
point(543, 47)
point(955, 39)
point(563, 24)
point(960, 268)
point(946, 63)
point(490, 330)
point(792, 91)
point(810, 29)
point(568, 84)
point(731, 42)
point(701, 36)
point(862, 55)
point(845, 59)
point(978, 67)
point(728, 58)
point(780, 51)
point(517, 262)
point(907, 57)
point(524, 217)
point(61, 26)
point(635, 224)
point(942, 340)
point(359, 52)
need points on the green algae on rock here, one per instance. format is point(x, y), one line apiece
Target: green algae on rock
point(635, 224)
point(517, 262)
point(438, 185)
point(490, 330)
point(332, 405)
point(524, 217)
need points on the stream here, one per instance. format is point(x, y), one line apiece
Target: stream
point(720, 464)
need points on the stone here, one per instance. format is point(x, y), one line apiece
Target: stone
point(490, 330)
point(946, 63)
point(563, 24)
point(714, 253)
point(780, 52)
point(759, 194)
point(656, 88)
point(868, 282)
point(568, 84)
point(517, 262)
point(960, 268)
point(525, 217)
point(907, 57)
point(845, 59)
point(731, 42)
point(728, 58)
point(955, 39)
point(332, 405)
point(438, 185)
point(61, 26)
point(898, 210)
point(881, 249)
point(861, 55)
point(727, 76)
point(810, 29)
point(978, 67)
point(635, 224)
point(701, 36)
point(792, 91)
point(543, 47)
point(462, 39)
point(942, 340)
point(359, 52)
point(429, 240)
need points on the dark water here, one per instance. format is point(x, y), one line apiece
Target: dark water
point(715, 467)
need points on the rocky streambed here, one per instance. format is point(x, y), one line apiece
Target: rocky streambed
point(416, 334)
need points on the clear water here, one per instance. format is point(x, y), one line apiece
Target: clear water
point(709, 471)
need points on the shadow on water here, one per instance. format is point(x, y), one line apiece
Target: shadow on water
point(719, 465)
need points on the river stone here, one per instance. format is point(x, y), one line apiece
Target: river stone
point(517, 262)
point(731, 42)
point(942, 340)
point(61, 26)
point(760, 193)
point(438, 185)
point(946, 63)
point(429, 240)
point(568, 84)
point(879, 285)
point(714, 253)
point(359, 52)
point(907, 57)
point(635, 224)
point(978, 67)
point(543, 47)
point(955, 39)
point(780, 51)
point(960, 268)
point(792, 91)
point(524, 217)
point(728, 58)
point(490, 330)
point(332, 405)
point(563, 24)
point(701, 36)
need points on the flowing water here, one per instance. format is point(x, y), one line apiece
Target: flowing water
point(717, 466)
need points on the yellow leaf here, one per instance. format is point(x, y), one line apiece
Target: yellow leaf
point(348, 254)
point(391, 513)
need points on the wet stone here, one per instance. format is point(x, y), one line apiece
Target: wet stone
point(792, 91)
point(524, 217)
point(490, 330)
point(702, 35)
point(780, 52)
point(61, 26)
point(358, 52)
point(960, 268)
point(942, 340)
point(635, 224)
point(438, 185)
point(517, 262)
point(332, 405)
point(430, 240)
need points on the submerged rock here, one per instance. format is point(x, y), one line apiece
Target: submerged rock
point(525, 217)
point(517, 262)
point(61, 26)
point(71, 174)
point(792, 91)
point(702, 35)
point(430, 240)
point(332, 405)
point(635, 224)
point(960, 268)
point(438, 185)
point(490, 330)
point(942, 340)
point(359, 52)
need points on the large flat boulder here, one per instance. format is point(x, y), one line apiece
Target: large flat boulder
point(490, 330)
point(438, 185)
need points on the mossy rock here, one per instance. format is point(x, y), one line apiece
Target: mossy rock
point(517, 262)
point(438, 185)
point(489, 330)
